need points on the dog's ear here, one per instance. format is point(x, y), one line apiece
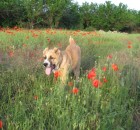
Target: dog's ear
point(56, 50)
point(45, 50)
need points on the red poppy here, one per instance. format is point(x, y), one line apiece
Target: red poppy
point(96, 83)
point(129, 42)
point(48, 39)
point(91, 74)
point(24, 45)
point(104, 79)
point(27, 37)
point(1, 124)
point(31, 54)
point(70, 84)
point(109, 56)
point(11, 53)
point(57, 74)
point(34, 35)
point(59, 45)
point(104, 69)
point(115, 67)
point(75, 90)
point(36, 97)
point(129, 46)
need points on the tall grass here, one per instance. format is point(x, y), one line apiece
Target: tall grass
point(32, 100)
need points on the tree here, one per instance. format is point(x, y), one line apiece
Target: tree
point(33, 9)
point(55, 11)
point(86, 13)
point(11, 12)
point(71, 17)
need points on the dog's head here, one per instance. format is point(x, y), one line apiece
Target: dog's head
point(52, 60)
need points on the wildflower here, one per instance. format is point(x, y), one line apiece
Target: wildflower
point(96, 83)
point(24, 45)
point(75, 90)
point(1, 124)
point(27, 37)
point(59, 45)
point(15, 27)
point(57, 74)
point(109, 57)
point(129, 42)
point(48, 39)
point(34, 35)
point(104, 69)
point(70, 84)
point(31, 54)
point(129, 46)
point(91, 74)
point(115, 67)
point(104, 79)
point(11, 53)
point(36, 97)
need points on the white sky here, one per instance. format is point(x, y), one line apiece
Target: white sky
point(132, 4)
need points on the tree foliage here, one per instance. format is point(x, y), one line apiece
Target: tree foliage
point(66, 14)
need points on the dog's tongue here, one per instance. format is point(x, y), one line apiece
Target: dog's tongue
point(48, 71)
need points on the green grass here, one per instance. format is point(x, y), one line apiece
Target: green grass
point(30, 100)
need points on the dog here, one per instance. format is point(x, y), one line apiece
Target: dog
point(65, 61)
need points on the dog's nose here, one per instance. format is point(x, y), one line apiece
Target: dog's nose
point(45, 64)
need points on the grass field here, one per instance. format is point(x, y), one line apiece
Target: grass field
point(106, 97)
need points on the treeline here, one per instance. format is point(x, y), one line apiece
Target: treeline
point(69, 15)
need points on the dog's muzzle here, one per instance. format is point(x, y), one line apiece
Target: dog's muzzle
point(49, 67)
point(46, 63)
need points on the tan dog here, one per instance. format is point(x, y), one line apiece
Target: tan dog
point(63, 61)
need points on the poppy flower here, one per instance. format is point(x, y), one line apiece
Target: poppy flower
point(48, 39)
point(129, 42)
point(11, 53)
point(36, 97)
point(115, 67)
point(129, 46)
point(27, 37)
point(91, 74)
point(59, 45)
point(70, 84)
point(57, 74)
point(31, 54)
point(105, 80)
point(34, 35)
point(96, 83)
point(104, 69)
point(109, 57)
point(24, 45)
point(1, 124)
point(75, 90)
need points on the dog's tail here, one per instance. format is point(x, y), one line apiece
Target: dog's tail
point(71, 40)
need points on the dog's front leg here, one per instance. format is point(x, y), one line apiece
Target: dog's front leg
point(64, 76)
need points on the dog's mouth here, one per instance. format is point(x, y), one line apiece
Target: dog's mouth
point(49, 70)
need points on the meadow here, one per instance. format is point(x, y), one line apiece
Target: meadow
point(105, 98)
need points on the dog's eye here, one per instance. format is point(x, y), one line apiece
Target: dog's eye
point(51, 57)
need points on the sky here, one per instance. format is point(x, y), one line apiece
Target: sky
point(131, 4)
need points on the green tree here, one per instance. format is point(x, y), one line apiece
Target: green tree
point(55, 10)
point(86, 13)
point(71, 17)
point(11, 12)
point(33, 9)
